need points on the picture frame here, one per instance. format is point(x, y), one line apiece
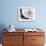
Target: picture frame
point(26, 14)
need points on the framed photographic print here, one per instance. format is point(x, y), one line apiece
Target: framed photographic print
point(26, 14)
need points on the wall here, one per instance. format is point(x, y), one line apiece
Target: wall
point(8, 13)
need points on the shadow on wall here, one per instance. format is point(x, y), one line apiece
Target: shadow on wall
point(2, 26)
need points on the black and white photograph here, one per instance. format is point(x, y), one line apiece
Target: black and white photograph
point(26, 14)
